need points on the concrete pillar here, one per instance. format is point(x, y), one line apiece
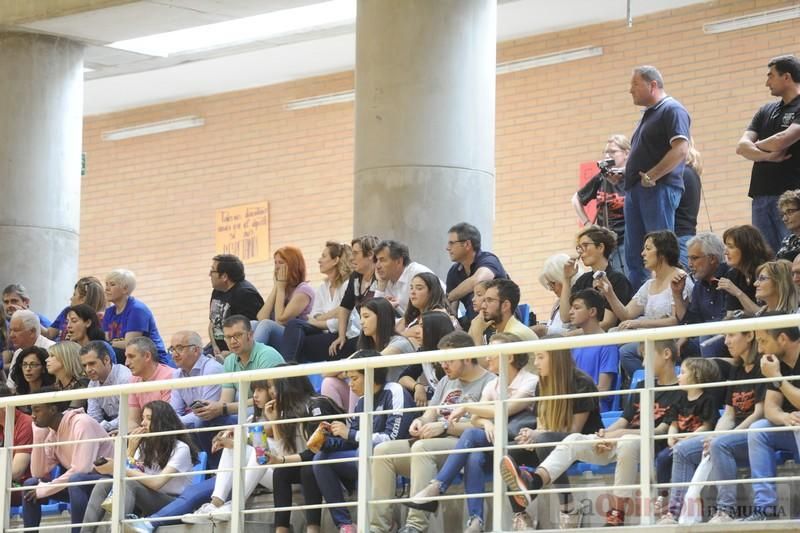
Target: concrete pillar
point(41, 105)
point(425, 107)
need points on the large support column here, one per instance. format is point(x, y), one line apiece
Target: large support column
point(425, 105)
point(41, 105)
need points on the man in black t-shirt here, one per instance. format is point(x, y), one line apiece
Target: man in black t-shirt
point(607, 189)
point(774, 149)
point(232, 295)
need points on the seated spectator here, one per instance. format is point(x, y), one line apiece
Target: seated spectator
point(54, 423)
point(97, 359)
point(555, 420)
point(64, 363)
point(15, 298)
point(245, 354)
point(291, 297)
point(307, 341)
point(187, 352)
point(159, 454)
point(343, 439)
point(24, 331)
point(141, 357)
point(232, 295)
point(395, 270)
point(780, 356)
point(706, 257)
point(653, 305)
point(600, 362)
point(498, 308)
point(421, 379)
point(594, 449)
point(378, 332)
point(30, 373)
point(256, 452)
point(22, 435)
point(775, 289)
point(477, 322)
point(745, 250)
point(83, 326)
point(796, 272)
point(521, 384)
point(128, 318)
point(471, 265)
point(425, 294)
point(88, 291)
point(464, 382)
point(744, 405)
point(595, 246)
point(689, 206)
point(552, 279)
point(789, 204)
point(697, 411)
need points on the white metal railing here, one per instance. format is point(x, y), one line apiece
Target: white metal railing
point(364, 457)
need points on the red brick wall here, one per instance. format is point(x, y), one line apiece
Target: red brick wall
point(149, 202)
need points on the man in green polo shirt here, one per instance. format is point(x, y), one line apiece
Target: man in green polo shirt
point(246, 354)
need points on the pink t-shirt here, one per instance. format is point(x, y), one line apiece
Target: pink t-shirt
point(140, 399)
point(303, 288)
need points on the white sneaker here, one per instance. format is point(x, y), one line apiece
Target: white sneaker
point(202, 515)
point(221, 513)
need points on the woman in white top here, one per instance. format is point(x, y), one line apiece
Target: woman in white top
point(552, 279)
point(308, 340)
point(160, 454)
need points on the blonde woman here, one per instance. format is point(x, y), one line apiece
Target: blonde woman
point(775, 288)
point(552, 279)
point(64, 362)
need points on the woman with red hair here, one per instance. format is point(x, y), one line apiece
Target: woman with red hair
point(291, 297)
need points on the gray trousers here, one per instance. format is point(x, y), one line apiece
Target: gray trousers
point(137, 497)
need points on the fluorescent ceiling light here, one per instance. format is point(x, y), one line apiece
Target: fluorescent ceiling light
point(325, 99)
point(243, 30)
point(152, 128)
point(754, 19)
point(549, 59)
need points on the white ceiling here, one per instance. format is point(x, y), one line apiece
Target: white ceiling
point(123, 80)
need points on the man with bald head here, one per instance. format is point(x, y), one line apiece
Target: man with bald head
point(186, 350)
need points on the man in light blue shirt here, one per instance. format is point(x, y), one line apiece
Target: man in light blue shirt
point(97, 359)
point(187, 352)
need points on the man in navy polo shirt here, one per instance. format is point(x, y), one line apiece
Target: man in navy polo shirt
point(770, 142)
point(654, 170)
point(471, 266)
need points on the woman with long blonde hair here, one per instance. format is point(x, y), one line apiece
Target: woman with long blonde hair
point(64, 362)
point(556, 419)
point(775, 287)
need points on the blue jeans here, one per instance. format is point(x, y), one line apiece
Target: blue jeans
point(32, 511)
point(727, 453)
point(79, 495)
point(629, 360)
point(617, 259)
point(767, 218)
point(683, 241)
point(330, 479)
point(762, 448)
point(190, 499)
point(305, 343)
point(686, 455)
point(267, 332)
point(646, 210)
point(664, 467)
point(476, 467)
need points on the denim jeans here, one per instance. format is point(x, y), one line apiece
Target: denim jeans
point(305, 343)
point(768, 220)
point(686, 455)
point(683, 241)
point(727, 453)
point(629, 360)
point(762, 447)
point(617, 259)
point(190, 499)
point(476, 466)
point(331, 477)
point(646, 209)
point(664, 460)
point(268, 332)
point(79, 495)
point(32, 511)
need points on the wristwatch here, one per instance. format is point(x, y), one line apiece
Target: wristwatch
point(445, 425)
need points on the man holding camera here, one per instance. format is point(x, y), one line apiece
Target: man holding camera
point(607, 189)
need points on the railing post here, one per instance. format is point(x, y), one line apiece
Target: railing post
point(365, 452)
point(500, 436)
point(120, 466)
point(6, 455)
point(646, 420)
point(239, 448)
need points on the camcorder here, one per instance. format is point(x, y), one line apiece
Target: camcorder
point(607, 167)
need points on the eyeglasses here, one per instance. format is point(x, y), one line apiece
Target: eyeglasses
point(694, 258)
point(789, 212)
point(235, 337)
point(31, 365)
point(180, 347)
point(451, 243)
point(762, 278)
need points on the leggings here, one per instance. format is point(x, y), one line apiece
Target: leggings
point(282, 481)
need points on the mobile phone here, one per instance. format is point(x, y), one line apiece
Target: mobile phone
point(197, 404)
point(100, 461)
point(600, 274)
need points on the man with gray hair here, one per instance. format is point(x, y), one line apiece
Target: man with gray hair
point(141, 358)
point(24, 331)
point(187, 352)
point(706, 255)
point(654, 170)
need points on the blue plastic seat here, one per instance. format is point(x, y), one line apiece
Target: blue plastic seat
point(316, 382)
point(524, 314)
point(202, 464)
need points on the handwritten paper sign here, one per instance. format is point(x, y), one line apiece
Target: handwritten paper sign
point(243, 231)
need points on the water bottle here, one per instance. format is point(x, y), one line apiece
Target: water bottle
point(260, 444)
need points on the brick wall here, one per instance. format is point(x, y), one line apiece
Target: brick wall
point(149, 202)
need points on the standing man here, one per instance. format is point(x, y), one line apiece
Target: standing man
point(471, 265)
point(770, 142)
point(231, 295)
point(653, 173)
